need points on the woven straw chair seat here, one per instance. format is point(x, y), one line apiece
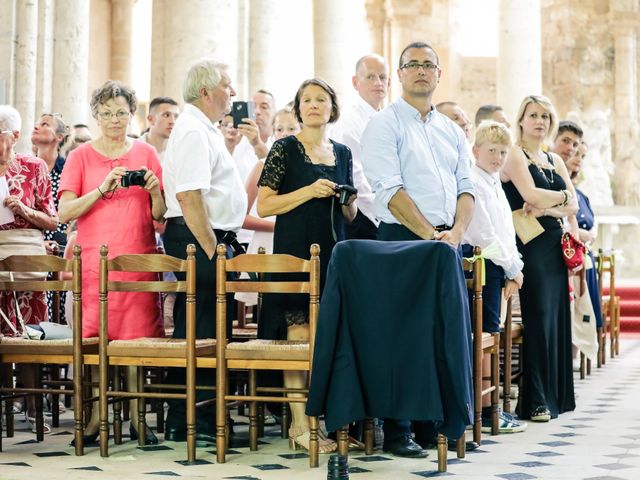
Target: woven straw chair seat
point(160, 347)
point(268, 350)
point(26, 346)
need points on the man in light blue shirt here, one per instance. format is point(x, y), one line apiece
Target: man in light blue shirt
point(418, 164)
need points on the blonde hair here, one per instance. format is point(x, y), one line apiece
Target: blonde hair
point(490, 131)
point(548, 106)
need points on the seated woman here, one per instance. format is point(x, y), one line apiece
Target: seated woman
point(298, 186)
point(121, 218)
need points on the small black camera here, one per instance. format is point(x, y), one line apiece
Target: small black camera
point(345, 192)
point(133, 177)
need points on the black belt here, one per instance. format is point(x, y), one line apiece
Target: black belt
point(442, 228)
point(223, 236)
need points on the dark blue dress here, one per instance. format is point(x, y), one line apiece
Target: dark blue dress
point(586, 221)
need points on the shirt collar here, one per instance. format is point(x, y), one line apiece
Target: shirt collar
point(491, 179)
point(413, 112)
point(363, 105)
point(199, 115)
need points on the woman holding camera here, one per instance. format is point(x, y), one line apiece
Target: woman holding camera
point(298, 185)
point(112, 186)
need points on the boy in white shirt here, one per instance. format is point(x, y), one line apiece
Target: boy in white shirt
point(491, 229)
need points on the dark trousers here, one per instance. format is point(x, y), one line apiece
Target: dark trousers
point(491, 292)
point(361, 228)
point(176, 239)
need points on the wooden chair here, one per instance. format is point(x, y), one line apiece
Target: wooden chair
point(255, 355)
point(511, 335)
point(146, 352)
point(610, 306)
point(483, 344)
point(16, 350)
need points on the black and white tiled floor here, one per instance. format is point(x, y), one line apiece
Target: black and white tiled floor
point(599, 441)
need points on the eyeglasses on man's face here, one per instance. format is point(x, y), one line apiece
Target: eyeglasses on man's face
point(415, 66)
point(120, 115)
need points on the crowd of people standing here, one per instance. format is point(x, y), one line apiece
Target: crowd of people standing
point(412, 171)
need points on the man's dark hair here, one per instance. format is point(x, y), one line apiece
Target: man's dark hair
point(416, 45)
point(485, 112)
point(335, 110)
point(159, 101)
point(80, 125)
point(569, 126)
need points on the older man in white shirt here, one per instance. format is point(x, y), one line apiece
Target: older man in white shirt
point(206, 205)
point(371, 81)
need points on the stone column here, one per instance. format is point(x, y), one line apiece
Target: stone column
point(340, 38)
point(378, 23)
point(25, 81)
point(7, 52)
point(44, 74)
point(121, 40)
point(207, 28)
point(157, 49)
point(519, 69)
point(71, 60)
point(626, 138)
point(263, 46)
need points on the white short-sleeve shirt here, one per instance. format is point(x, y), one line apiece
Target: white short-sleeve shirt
point(196, 158)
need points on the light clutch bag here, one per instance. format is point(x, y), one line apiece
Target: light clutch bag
point(527, 227)
point(22, 241)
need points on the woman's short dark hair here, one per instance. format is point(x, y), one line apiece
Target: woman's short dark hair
point(335, 109)
point(112, 89)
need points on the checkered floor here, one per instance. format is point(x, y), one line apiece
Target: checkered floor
point(599, 441)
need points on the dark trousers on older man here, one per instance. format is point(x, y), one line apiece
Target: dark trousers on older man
point(176, 238)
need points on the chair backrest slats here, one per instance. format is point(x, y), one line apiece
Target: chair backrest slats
point(268, 287)
point(147, 286)
point(147, 263)
point(278, 263)
point(35, 263)
point(36, 285)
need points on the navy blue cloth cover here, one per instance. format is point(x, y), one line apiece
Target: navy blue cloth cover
point(393, 337)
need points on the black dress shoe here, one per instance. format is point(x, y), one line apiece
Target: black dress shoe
point(175, 435)
point(452, 445)
point(149, 437)
point(469, 445)
point(90, 440)
point(405, 447)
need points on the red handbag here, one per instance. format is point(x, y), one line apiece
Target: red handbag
point(573, 251)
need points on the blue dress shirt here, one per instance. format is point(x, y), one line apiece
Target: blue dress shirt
point(429, 159)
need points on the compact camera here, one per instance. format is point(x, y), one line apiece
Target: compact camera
point(242, 110)
point(133, 177)
point(345, 192)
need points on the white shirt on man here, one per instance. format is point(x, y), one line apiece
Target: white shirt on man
point(348, 131)
point(492, 223)
point(196, 158)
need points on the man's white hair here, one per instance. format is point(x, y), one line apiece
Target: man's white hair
point(205, 73)
point(10, 118)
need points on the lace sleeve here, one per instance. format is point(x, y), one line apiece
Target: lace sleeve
point(274, 168)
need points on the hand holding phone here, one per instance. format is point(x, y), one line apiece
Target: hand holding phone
point(242, 110)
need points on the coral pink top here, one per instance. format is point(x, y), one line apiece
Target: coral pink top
point(122, 221)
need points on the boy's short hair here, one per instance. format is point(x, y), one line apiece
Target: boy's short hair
point(491, 131)
point(569, 126)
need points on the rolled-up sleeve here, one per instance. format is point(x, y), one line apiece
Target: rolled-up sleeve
point(463, 170)
point(380, 158)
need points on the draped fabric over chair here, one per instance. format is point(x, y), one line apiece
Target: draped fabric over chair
point(393, 337)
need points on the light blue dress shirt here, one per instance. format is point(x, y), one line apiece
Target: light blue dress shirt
point(429, 159)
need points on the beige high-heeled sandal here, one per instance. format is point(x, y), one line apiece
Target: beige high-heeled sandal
point(301, 437)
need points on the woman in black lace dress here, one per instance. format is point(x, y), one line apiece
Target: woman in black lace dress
point(547, 383)
point(298, 186)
